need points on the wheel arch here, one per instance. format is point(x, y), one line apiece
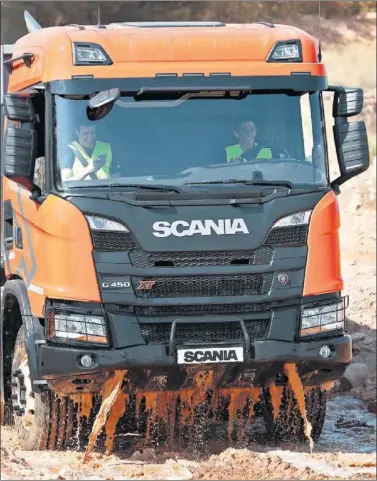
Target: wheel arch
point(16, 312)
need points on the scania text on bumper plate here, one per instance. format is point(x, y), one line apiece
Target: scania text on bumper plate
point(210, 355)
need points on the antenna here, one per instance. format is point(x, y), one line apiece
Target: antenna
point(319, 32)
point(31, 24)
point(99, 13)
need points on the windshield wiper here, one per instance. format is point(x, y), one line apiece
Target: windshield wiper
point(164, 188)
point(270, 183)
point(161, 188)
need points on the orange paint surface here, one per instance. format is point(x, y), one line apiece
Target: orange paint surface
point(143, 52)
point(61, 244)
point(323, 268)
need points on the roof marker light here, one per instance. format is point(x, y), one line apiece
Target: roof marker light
point(286, 51)
point(90, 54)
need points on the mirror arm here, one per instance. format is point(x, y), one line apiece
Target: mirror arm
point(36, 194)
point(336, 183)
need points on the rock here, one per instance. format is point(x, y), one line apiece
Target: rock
point(24, 472)
point(148, 454)
point(354, 376)
point(372, 407)
point(351, 424)
point(66, 473)
point(358, 336)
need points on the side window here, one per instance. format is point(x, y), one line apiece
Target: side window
point(40, 162)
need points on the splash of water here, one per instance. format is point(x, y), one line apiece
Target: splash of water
point(110, 393)
point(163, 405)
point(298, 390)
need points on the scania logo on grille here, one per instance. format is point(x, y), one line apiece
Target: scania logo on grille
point(181, 228)
point(283, 279)
point(145, 285)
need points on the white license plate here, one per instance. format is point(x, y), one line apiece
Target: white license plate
point(208, 355)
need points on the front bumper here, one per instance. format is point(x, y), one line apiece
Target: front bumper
point(265, 359)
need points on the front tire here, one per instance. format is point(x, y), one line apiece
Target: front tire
point(42, 420)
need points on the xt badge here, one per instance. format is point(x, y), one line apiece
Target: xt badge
point(145, 285)
point(283, 279)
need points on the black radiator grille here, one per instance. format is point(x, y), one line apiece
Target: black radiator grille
point(284, 236)
point(109, 241)
point(205, 332)
point(196, 309)
point(262, 255)
point(204, 286)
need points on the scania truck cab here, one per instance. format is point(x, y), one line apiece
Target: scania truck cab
point(168, 214)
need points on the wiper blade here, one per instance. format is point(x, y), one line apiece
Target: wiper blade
point(275, 183)
point(164, 188)
point(161, 188)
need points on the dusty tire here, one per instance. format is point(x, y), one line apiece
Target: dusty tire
point(289, 424)
point(42, 420)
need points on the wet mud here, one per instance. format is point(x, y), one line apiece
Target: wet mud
point(186, 413)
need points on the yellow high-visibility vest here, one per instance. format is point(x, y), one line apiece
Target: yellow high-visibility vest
point(235, 151)
point(101, 148)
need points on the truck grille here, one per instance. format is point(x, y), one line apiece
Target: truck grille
point(284, 236)
point(205, 286)
point(109, 241)
point(204, 333)
point(124, 241)
point(207, 309)
point(140, 258)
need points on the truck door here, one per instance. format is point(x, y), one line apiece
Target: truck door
point(6, 53)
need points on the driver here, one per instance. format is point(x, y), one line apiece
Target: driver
point(88, 158)
point(246, 133)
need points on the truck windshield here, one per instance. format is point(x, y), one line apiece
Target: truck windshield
point(192, 138)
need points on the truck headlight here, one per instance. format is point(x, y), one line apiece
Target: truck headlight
point(322, 319)
point(299, 218)
point(77, 327)
point(102, 223)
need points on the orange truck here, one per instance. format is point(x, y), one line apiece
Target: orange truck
point(169, 220)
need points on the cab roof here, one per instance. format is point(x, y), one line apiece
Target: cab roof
point(145, 49)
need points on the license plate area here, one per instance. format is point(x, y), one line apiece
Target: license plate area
point(210, 355)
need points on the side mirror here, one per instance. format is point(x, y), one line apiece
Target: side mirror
point(20, 147)
point(351, 142)
point(347, 101)
point(19, 107)
point(351, 139)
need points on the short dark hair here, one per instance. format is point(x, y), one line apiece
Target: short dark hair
point(84, 123)
point(244, 120)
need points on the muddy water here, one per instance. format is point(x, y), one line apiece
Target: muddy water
point(110, 394)
point(162, 405)
point(298, 390)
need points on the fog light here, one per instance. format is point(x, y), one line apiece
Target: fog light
point(86, 360)
point(325, 351)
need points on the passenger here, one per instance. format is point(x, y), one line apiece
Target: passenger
point(246, 133)
point(89, 158)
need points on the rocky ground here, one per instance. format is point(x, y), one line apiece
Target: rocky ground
point(347, 447)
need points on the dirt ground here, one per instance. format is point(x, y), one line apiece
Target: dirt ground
point(347, 447)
